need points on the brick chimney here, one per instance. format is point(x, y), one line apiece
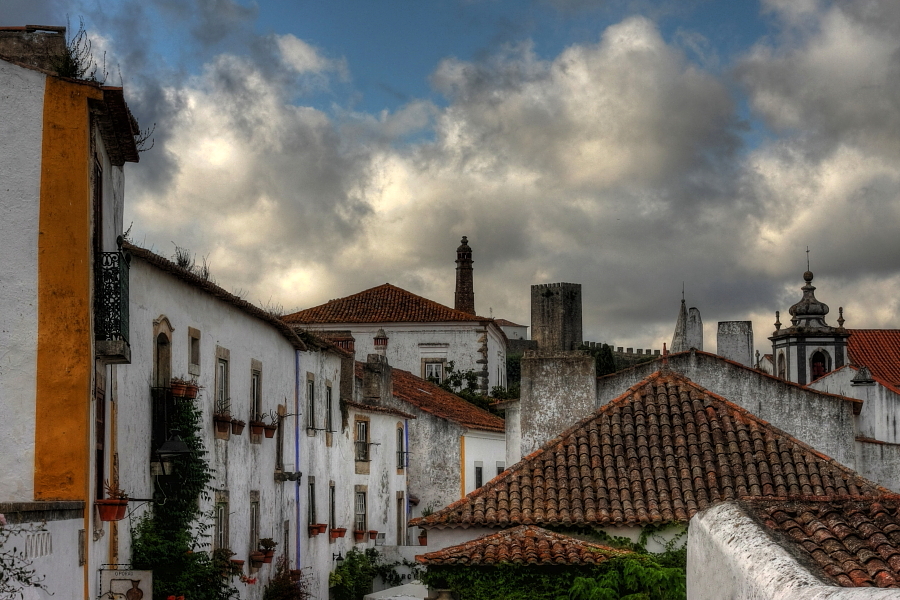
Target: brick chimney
point(34, 45)
point(465, 292)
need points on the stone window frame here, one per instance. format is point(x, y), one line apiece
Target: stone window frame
point(194, 350)
point(311, 501)
point(433, 361)
point(362, 451)
point(223, 377)
point(360, 498)
point(221, 534)
point(310, 404)
point(254, 519)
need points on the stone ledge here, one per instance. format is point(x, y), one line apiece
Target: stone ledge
point(33, 512)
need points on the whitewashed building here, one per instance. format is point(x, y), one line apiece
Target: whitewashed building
point(63, 146)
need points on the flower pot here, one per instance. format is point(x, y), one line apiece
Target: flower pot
point(191, 390)
point(237, 427)
point(269, 553)
point(179, 389)
point(268, 559)
point(373, 534)
point(295, 575)
point(359, 535)
point(237, 566)
point(337, 532)
point(423, 540)
point(313, 530)
point(323, 527)
point(269, 430)
point(112, 509)
point(223, 423)
point(257, 427)
point(257, 558)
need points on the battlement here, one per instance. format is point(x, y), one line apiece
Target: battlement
point(556, 316)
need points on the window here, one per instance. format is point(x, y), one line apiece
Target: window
point(434, 371)
point(359, 522)
point(193, 351)
point(331, 505)
point(255, 394)
point(329, 414)
point(479, 474)
point(286, 541)
point(311, 501)
point(501, 466)
point(362, 441)
point(401, 454)
point(223, 399)
point(254, 519)
point(310, 403)
point(220, 520)
point(99, 436)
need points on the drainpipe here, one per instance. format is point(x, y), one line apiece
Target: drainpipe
point(408, 509)
point(297, 453)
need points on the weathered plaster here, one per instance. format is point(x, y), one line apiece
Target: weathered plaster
point(729, 556)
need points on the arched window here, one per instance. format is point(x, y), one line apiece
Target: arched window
point(819, 364)
point(163, 367)
point(782, 366)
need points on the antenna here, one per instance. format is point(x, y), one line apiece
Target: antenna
point(807, 258)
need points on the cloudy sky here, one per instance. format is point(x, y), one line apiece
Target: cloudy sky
point(313, 149)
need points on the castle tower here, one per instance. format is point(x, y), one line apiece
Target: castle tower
point(556, 316)
point(688, 330)
point(464, 298)
point(809, 348)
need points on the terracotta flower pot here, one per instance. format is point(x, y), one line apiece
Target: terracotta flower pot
point(223, 423)
point(323, 527)
point(112, 509)
point(237, 427)
point(191, 390)
point(313, 530)
point(269, 430)
point(268, 559)
point(257, 427)
point(373, 533)
point(337, 532)
point(359, 535)
point(269, 553)
point(423, 540)
point(179, 389)
point(257, 558)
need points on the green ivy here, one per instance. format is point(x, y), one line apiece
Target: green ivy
point(171, 539)
point(353, 579)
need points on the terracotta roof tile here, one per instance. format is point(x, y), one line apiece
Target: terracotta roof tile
point(855, 542)
point(378, 409)
point(524, 544)
point(506, 323)
point(662, 451)
point(432, 399)
point(879, 351)
point(383, 304)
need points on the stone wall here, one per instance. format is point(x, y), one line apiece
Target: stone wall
point(734, 341)
point(556, 391)
point(556, 316)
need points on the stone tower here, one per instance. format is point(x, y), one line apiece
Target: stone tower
point(809, 348)
point(688, 330)
point(464, 299)
point(556, 316)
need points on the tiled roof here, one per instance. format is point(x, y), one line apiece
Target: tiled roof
point(662, 451)
point(854, 542)
point(164, 264)
point(426, 396)
point(383, 304)
point(524, 544)
point(378, 409)
point(879, 350)
point(505, 323)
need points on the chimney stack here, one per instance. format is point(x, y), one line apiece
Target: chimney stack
point(465, 291)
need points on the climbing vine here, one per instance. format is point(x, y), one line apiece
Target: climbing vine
point(170, 540)
point(16, 572)
point(353, 579)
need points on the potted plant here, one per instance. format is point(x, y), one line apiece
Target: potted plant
point(237, 426)
point(337, 532)
point(113, 507)
point(323, 527)
point(222, 415)
point(267, 546)
point(257, 425)
point(373, 533)
point(257, 558)
point(359, 534)
point(423, 537)
point(184, 388)
point(313, 529)
point(269, 429)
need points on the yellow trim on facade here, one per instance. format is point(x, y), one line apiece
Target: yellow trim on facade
point(462, 466)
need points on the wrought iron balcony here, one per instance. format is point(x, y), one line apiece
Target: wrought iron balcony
point(111, 307)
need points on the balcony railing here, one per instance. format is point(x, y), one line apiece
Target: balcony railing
point(111, 303)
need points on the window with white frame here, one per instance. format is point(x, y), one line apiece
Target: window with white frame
point(254, 518)
point(362, 441)
point(220, 520)
point(479, 474)
point(311, 501)
point(223, 400)
point(256, 409)
point(360, 521)
point(310, 403)
point(434, 371)
point(401, 448)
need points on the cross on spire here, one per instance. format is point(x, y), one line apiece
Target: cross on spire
point(807, 258)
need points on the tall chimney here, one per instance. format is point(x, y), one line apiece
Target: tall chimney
point(465, 292)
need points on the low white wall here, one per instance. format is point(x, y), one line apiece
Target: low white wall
point(483, 447)
point(729, 556)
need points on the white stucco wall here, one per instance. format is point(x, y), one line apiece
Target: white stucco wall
point(484, 447)
point(409, 343)
point(21, 126)
point(240, 466)
point(54, 556)
point(879, 417)
point(729, 556)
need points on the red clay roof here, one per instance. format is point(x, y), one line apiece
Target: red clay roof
point(879, 350)
point(521, 545)
point(383, 304)
point(662, 451)
point(378, 409)
point(432, 399)
point(854, 542)
point(505, 323)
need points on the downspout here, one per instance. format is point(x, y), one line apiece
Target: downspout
point(406, 476)
point(296, 412)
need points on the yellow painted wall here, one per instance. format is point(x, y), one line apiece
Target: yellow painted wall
point(64, 348)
